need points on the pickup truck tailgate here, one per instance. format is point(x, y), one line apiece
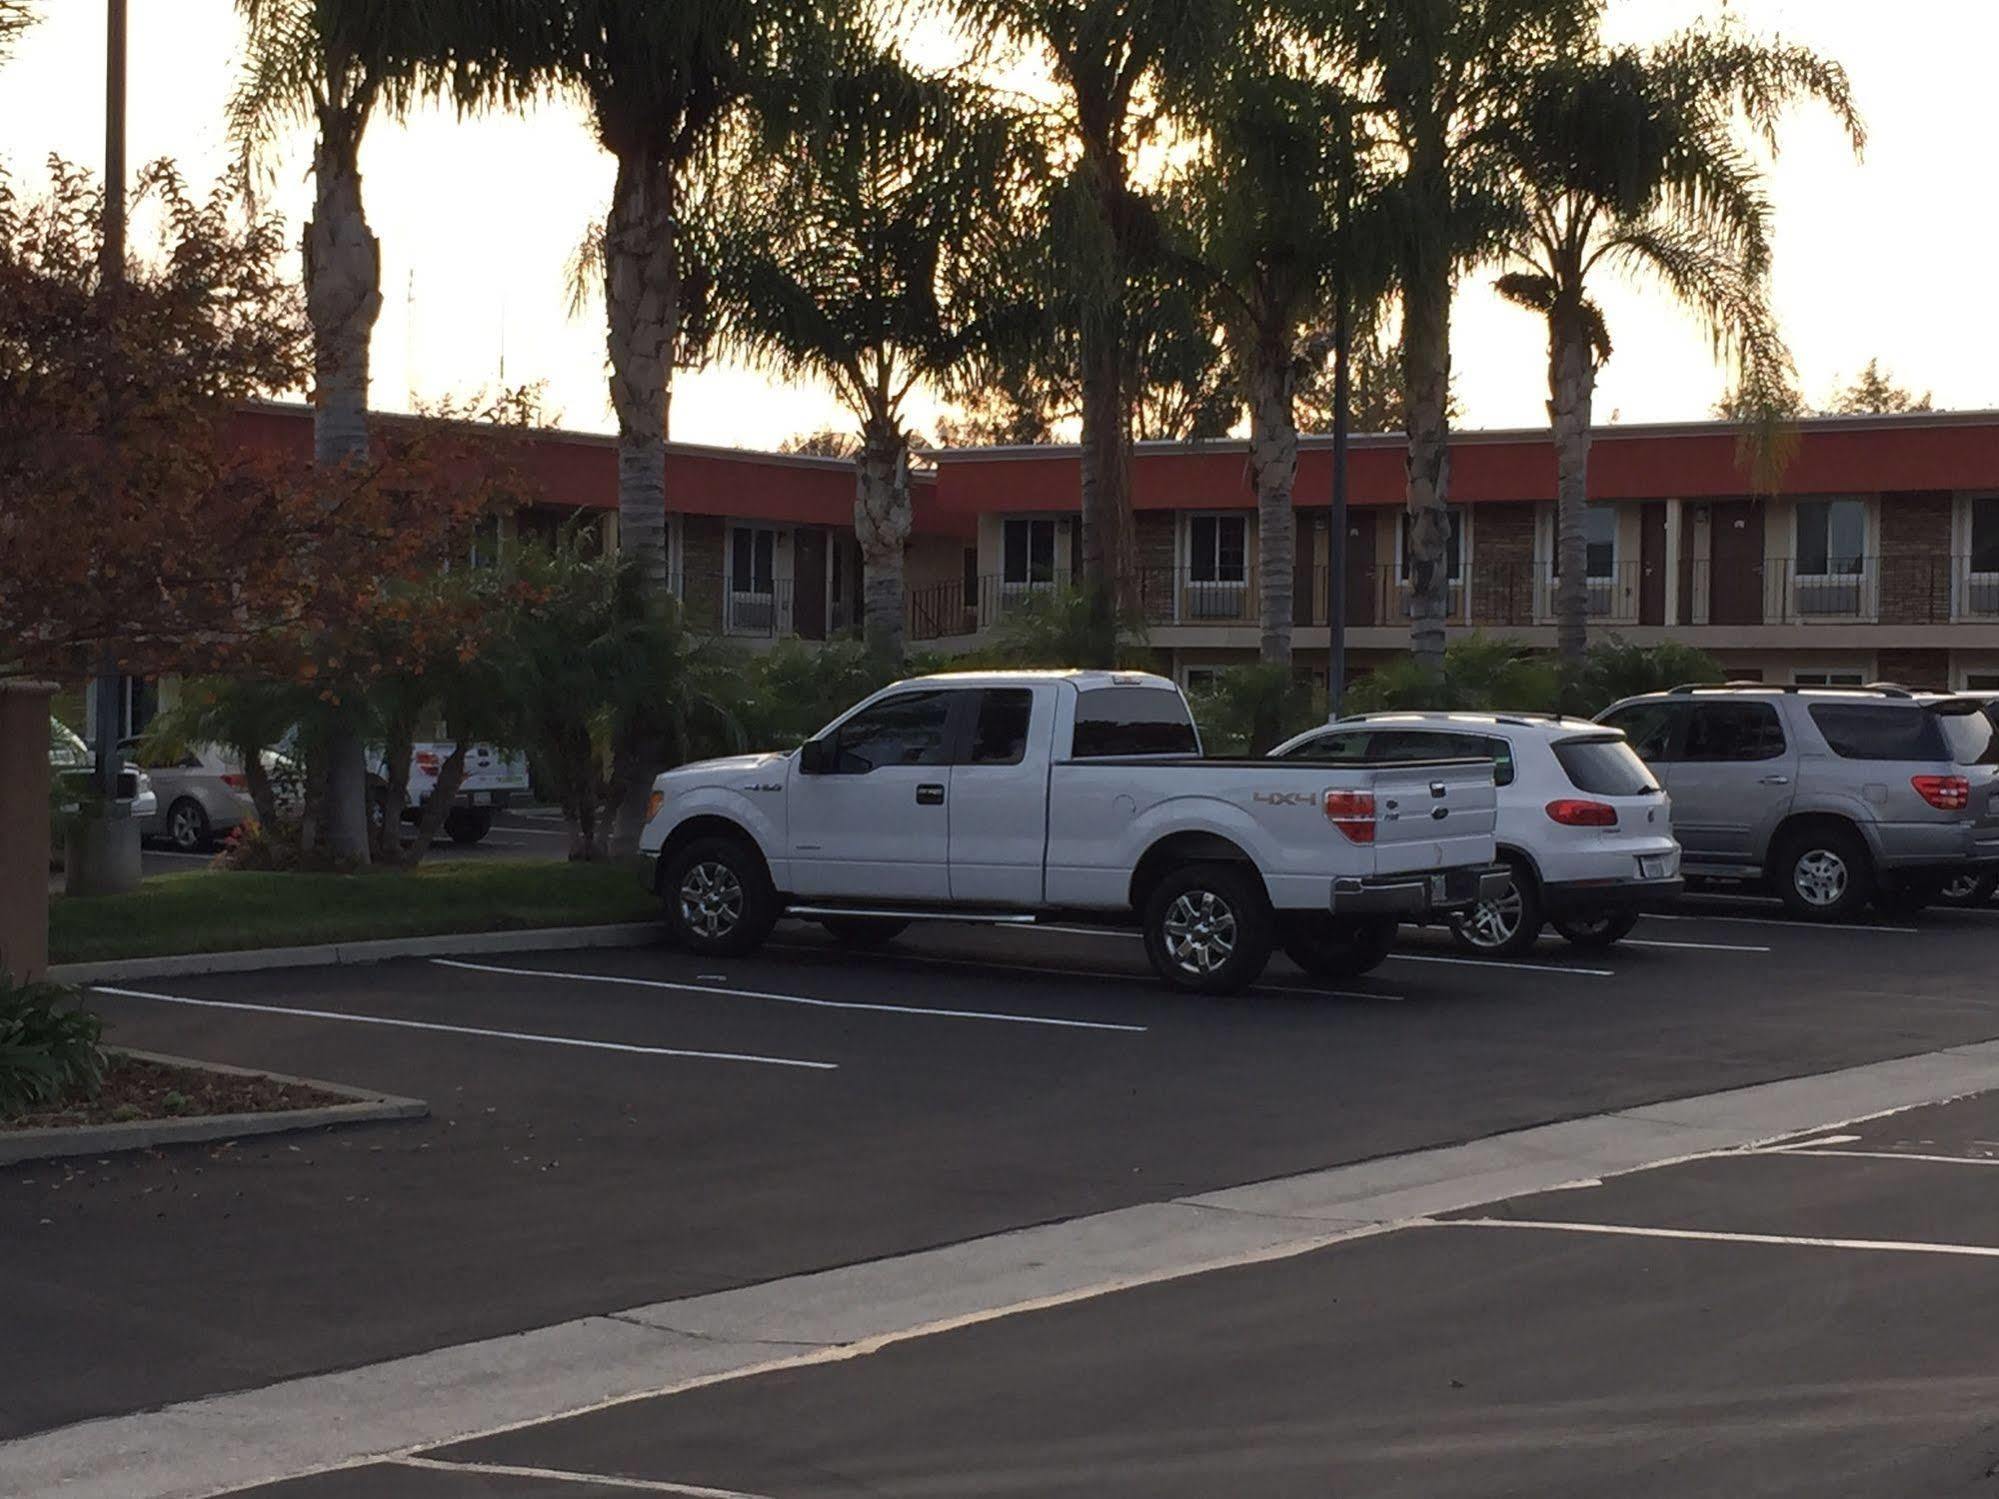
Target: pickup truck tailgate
point(1433, 816)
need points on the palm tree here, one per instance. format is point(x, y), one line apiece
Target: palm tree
point(1112, 60)
point(327, 66)
point(1263, 209)
point(16, 16)
point(1633, 163)
point(866, 257)
point(1451, 77)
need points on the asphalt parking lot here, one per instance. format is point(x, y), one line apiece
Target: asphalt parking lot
point(612, 1129)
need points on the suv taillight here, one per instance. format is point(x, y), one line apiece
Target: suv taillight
point(1945, 793)
point(1352, 812)
point(1574, 812)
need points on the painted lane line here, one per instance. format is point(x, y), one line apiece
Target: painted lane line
point(1593, 973)
point(1813, 1141)
point(1085, 973)
point(469, 1030)
point(1883, 1155)
point(562, 1475)
point(793, 999)
point(1715, 1236)
point(1796, 926)
point(1692, 946)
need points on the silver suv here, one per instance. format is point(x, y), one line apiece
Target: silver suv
point(1835, 797)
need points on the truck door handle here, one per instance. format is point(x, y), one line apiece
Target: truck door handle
point(930, 794)
point(1776, 780)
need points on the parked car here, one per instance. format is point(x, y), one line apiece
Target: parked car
point(1974, 741)
point(1016, 795)
point(70, 763)
point(1833, 796)
point(493, 778)
point(1584, 829)
point(202, 793)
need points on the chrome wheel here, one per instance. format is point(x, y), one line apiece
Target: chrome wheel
point(1200, 932)
point(186, 827)
point(1494, 923)
point(1963, 888)
point(711, 899)
point(1820, 877)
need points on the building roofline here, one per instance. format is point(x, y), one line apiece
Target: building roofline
point(1496, 436)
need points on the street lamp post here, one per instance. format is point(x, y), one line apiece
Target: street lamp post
point(111, 275)
point(1336, 531)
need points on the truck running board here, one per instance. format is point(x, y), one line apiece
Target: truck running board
point(897, 913)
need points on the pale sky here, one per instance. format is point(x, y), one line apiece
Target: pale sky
point(1891, 257)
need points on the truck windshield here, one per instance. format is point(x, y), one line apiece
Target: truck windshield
point(1114, 721)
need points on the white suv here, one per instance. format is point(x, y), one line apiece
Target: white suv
point(1584, 827)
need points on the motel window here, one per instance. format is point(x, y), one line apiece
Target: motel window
point(1218, 548)
point(1028, 551)
point(1832, 538)
point(752, 560)
point(1985, 535)
point(1599, 542)
point(1454, 551)
point(1828, 679)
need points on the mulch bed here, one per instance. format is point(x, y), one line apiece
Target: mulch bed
point(135, 1090)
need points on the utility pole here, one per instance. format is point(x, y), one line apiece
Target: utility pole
point(1336, 530)
point(111, 278)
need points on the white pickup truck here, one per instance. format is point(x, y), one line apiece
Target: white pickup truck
point(1014, 796)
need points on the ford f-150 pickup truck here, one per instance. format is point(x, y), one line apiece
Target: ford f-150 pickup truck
point(1013, 796)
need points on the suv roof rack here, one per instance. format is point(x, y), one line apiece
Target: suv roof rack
point(1879, 689)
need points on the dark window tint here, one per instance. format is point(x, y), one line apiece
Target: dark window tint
point(1604, 767)
point(1000, 737)
point(1734, 731)
point(1396, 746)
point(904, 730)
point(1331, 749)
point(1131, 721)
point(1878, 731)
point(1649, 727)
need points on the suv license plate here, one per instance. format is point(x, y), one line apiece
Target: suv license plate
point(1440, 888)
point(1652, 867)
point(482, 798)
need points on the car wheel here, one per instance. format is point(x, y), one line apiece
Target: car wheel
point(467, 827)
point(378, 813)
point(1605, 929)
point(187, 826)
point(718, 897)
point(1508, 925)
point(1824, 874)
point(1331, 947)
point(1968, 890)
point(1208, 929)
point(863, 931)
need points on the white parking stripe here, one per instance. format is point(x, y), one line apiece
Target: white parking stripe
point(1884, 1155)
point(1503, 965)
point(792, 999)
point(469, 1030)
point(1086, 973)
point(1796, 926)
point(1691, 946)
point(172, 853)
point(1632, 1231)
point(562, 1475)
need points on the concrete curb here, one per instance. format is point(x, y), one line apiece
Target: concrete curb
point(367, 1107)
point(258, 959)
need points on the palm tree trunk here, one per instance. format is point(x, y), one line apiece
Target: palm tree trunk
point(1426, 374)
point(343, 290)
point(642, 313)
point(1106, 491)
point(1572, 389)
point(443, 793)
point(882, 521)
point(1273, 462)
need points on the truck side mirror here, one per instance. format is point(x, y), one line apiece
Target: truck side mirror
point(815, 757)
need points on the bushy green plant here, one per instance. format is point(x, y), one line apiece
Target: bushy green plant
point(1250, 710)
point(1479, 674)
point(1055, 627)
point(794, 690)
point(1616, 669)
point(49, 1045)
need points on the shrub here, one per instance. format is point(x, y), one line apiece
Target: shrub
point(48, 1045)
point(1617, 670)
point(1250, 710)
point(1056, 627)
point(1479, 675)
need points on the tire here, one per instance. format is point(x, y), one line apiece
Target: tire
point(1968, 890)
point(187, 826)
point(1208, 929)
point(378, 813)
point(1507, 927)
point(1328, 947)
point(464, 827)
point(1824, 874)
point(863, 932)
point(718, 897)
point(1606, 929)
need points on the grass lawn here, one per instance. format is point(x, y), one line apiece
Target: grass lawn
point(214, 912)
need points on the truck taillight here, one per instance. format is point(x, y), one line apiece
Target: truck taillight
point(1574, 812)
point(654, 803)
point(1945, 793)
point(427, 762)
point(1352, 812)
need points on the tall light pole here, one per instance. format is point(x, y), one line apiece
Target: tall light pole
point(111, 277)
point(1336, 531)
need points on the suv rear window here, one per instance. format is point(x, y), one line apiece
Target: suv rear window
point(1881, 731)
point(1131, 721)
point(1973, 738)
point(1604, 767)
